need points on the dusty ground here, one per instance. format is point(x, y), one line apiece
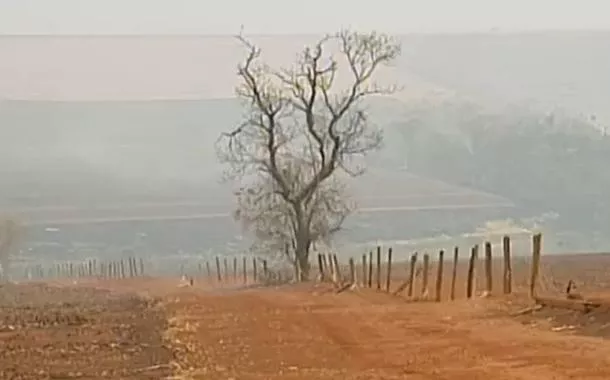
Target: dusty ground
point(68, 332)
point(97, 330)
point(313, 334)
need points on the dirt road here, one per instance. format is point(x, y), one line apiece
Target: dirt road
point(312, 334)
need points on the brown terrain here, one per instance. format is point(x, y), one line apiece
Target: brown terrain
point(157, 328)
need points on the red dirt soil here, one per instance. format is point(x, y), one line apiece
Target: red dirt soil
point(293, 332)
point(305, 333)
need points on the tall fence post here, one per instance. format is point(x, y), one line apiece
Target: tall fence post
point(508, 270)
point(412, 274)
point(488, 269)
point(352, 271)
point(321, 267)
point(378, 267)
point(265, 270)
point(338, 276)
point(245, 269)
point(439, 276)
point(536, 252)
point(389, 271)
point(471, 264)
point(456, 254)
point(331, 267)
point(325, 268)
point(364, 269)
point(370, 282)
point(218, 270)
point(426, 269)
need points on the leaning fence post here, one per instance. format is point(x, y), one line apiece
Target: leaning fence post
point(439, 276)
point(471, 264)
point(536, 251)
point(389, 271)
point(508, 270)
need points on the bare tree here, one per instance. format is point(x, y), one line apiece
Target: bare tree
point(301, 131)
point(8, 240)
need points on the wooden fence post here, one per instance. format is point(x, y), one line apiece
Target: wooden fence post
point(508, 270)
point(141, 266)
point(254, 270)
point(265, 269)
point(226, 268)
point(321, 268)
point(364, 269)
point(370, 283)
point(130, 266)
point(536, 252)
point(235, 269)
point(412, 274)
point(389, 271)
point(325, 267)
point(245, 269)
point(208, 270)
point(378, 267)
point(352, 271)
point(456, 254)
point(471, 263)
point(122, 265)
point(439, 276)
point(337, 269)
point(488, 269)
point(218, 272)
point(331, 266)
point(426, 270)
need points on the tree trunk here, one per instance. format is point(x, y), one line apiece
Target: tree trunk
point(302, 257)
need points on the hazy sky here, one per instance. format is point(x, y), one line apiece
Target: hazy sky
point(291, 16)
